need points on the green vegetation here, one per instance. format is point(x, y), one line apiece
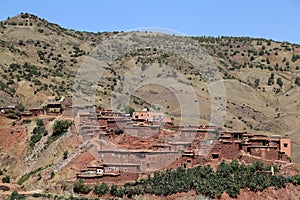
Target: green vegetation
point(37, 133)
point(297, 80)
point(229, 178)
point(28, 175)
point(129, 110)
point(256, 82)
point(279, 82)
point(6, 179)
point(26, 121)
point(16, 196)
point(101, 190)
point(66, 153)
point(271, 79)
point(59, 128)
point(80, 187)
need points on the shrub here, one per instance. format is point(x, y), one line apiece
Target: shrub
point(61, 127)
point(101, 190)
point(279, 82)
point(6, 179)
point(66, 155)
point(16, 196)
point(297, 81)
point(80, 187)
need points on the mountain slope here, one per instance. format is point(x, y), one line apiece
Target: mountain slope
point(41, 59)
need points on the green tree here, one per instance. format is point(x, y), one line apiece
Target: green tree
point(80, 187)
point(21, 107)
point(114, 190)
point(271, 79)
point(101, 190)
point(16, 196)
point(256, 82)
point(129, 110)
point(66, 153)
point(297, 80)
point(279, 82)
point(60, 127)
point(6, 179)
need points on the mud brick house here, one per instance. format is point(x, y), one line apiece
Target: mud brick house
point(143, 131)
point(67, 106)
point(53, 105)
point(230, 144)
point(37, 111)
point(91, 172)
point(184, 146)
point(148, 117)
point(138, 161)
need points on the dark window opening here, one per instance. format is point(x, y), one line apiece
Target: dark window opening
point(236, 136)
point(285, 145)
point(266, 143)
point(240, 146)
point(215, 156)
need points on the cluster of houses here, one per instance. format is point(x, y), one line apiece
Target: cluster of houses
point(186, 146)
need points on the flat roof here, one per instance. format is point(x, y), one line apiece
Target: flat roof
point(135, 151)
point(121, 164)
point(263, 147)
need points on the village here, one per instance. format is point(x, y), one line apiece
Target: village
point(127, 146)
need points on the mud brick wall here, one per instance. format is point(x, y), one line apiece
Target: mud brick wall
point(265, 153)
point(226, 150)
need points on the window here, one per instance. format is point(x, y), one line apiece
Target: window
point(125, 169)
point(285, 145)
point(215, 156)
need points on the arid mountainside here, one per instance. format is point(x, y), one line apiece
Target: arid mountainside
point(261, 77)
point(38, 59)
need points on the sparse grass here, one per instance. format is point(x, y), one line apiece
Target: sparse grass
point(28, 175)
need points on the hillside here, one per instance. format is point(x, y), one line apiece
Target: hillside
point(41, 59)
point(165, 73)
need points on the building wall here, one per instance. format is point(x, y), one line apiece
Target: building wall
point(265, 153)
point(147, 161)
point(226, 150)
point(285, 146)
point(141, 131)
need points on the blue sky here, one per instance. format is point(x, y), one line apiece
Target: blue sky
point(271, 19)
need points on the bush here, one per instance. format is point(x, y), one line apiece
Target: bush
point(279, 82)
point(297, 81)
point(101, 190)
point(61, 127)
point(37, 133)
point(80, 187)
point(16, 196)
point(129, 110)
point(66, 155)
point(6, 179)
point(26, 121)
